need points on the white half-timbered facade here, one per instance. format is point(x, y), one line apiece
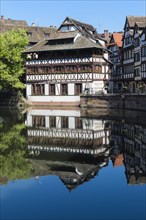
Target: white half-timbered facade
point(134, 55)
point(70, 62)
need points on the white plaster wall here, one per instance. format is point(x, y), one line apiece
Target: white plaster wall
point(47, 122)
point(28, 90)
point(57, 88)
point(98, 125)
point(71, 89)
point(71, 122)
point(98, 86)
point(55, 112)
point(58, 122)
point(46, 89)
point(54, 98)
point(106, 55)
point(29, 120)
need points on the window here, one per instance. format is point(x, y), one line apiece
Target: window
point(143, 67)
point(64, 122)
point(85, 68)
point(58, 69)
point(46, 34)
point(143, 153)
point(98, 69)
point(78, 123)
point(137, 72)
point(44, 70)
point(128, 69)
point(38, 89)
point(137, 57)
point(64, 89)
point(68, 28)
point(136, 42)
point(38, 121)
point(29, 34)
point(143, 51)
point(32, 70)
point(52, 121)
point(78, 88)
point(71, 69)
point(52, 89)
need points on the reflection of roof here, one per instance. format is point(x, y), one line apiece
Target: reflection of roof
point(132, 179)
point(73, 181)
point(119, 160)
point(72, 174)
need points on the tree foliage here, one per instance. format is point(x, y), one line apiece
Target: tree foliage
point(12, 58)
point(13, 154)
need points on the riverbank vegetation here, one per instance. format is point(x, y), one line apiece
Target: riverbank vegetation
point(12, 62)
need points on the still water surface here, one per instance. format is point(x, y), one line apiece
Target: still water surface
point(62, 164)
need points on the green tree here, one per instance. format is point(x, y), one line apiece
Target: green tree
point(12, 59)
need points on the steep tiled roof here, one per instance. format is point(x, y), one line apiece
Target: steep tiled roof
point(86, 29)
point(118, 38)
point(81, 43)
point(13, 22)
point(35, 33)
point(62, 35)
point(83, 25)
point(141, 24)
point(133, 19)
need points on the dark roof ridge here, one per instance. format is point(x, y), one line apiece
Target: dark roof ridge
point(82, 23)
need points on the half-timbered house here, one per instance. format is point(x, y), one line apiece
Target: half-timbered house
point(134, 55)
point(69, 62)
point(115, 57)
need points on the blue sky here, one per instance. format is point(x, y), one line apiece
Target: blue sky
point(109, 15)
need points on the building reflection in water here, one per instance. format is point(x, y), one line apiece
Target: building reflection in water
point(129, 147)
point(63, 143)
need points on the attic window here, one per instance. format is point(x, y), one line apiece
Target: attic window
point(29, 34)
point(67, 21)
point(46, 34)
point(68, 28)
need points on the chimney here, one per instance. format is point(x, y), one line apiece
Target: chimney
point(2, 18)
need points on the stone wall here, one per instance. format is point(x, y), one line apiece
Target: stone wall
point(132, 102)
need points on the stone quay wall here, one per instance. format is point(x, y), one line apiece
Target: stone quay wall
point(131, 102)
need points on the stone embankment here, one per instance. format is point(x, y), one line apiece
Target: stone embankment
point(131, 102)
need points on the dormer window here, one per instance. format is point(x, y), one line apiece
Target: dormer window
point(60, 41)
point(46, 34)
point(29, 34)
point(68, 28)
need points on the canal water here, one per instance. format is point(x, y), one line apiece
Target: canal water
point(72, 164)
